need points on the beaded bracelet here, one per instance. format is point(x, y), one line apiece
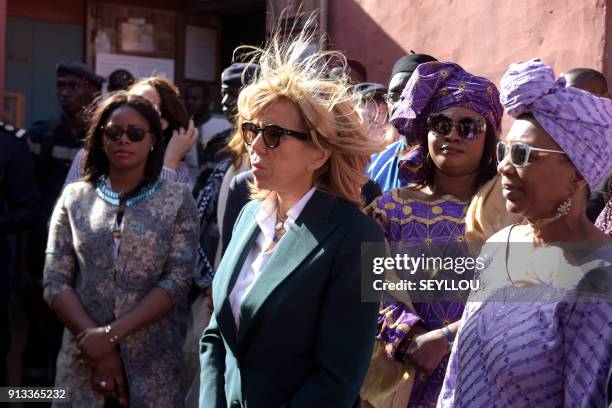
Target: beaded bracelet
point(113, 338)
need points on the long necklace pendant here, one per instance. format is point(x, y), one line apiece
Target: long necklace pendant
point(279, 225)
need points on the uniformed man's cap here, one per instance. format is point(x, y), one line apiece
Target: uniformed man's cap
point(409, 63)
point(232, 75)
point(366, 90)
point(81, 70)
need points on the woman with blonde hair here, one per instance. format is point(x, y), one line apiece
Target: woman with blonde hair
point(289, 327)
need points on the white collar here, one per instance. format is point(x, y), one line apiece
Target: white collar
point(266, 216)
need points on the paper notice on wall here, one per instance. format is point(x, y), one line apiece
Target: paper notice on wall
point(136, 36)
point(200, 53)
point(140, 67)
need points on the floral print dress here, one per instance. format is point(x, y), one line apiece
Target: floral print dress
point(158, 246)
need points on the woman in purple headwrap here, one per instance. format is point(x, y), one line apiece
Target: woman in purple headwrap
point(539, 333)
point(452, 119)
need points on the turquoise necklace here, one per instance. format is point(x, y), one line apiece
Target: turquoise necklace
point(114, 198)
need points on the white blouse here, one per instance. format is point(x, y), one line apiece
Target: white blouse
point(258, 256)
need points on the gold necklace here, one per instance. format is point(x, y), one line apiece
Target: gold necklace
point(279, 227)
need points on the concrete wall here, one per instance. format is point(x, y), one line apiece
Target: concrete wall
point(484, 36)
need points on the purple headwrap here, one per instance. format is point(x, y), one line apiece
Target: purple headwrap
point(433, 87)
point(579, 122)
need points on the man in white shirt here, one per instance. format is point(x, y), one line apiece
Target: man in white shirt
point(210, 125)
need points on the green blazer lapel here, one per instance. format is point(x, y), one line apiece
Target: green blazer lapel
point(242, 241)
point(310, 229)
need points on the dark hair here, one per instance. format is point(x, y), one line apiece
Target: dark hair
point(583, 76)
point(121, 77)
point(96, 161)
point(172, 108)
point(486, 169)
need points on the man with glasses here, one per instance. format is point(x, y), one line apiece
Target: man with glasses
point(54, 143)
point(384, 167)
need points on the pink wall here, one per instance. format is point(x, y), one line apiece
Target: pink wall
point(484, 36)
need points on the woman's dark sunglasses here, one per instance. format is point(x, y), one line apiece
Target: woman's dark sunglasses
point(519, 153)
point(467, 127)
point(133, 133)
point(271, 134)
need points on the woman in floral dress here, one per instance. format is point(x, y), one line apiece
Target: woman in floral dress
point(120, 258)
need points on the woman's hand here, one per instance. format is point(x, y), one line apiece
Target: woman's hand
point(108, 378)
point(94, 344)
point(427, 350)
point(179, 145)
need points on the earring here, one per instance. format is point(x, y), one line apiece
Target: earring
point(564, 207)
point(151, 149)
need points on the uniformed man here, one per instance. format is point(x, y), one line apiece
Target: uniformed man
point(19, 206)
point(53, 143)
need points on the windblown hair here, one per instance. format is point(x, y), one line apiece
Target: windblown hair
point(96, 161)
point(172, 107)
point(290, 69)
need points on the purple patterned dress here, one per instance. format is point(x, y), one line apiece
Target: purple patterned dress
point(550, 349)
point(414, 221)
